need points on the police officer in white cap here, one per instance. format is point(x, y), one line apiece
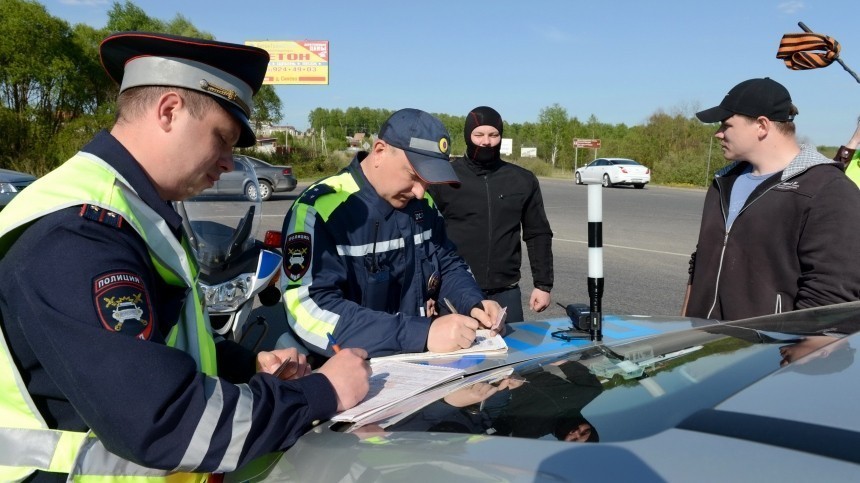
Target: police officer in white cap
point(87, 393)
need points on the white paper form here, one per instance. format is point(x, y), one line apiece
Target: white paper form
point(393, 381)
point(486, 342)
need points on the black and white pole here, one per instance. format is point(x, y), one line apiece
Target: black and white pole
point(595, 259)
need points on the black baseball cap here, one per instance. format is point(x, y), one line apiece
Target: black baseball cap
point(754, 97)
point(231, 73)
point(426, 143)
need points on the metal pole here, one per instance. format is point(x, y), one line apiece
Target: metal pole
point(595, 259)
point(708, 169)
point(847, 69)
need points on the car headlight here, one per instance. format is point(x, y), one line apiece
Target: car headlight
point(7, 188)
point(226, 296)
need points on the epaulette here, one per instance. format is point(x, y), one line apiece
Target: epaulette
point(309, 197)
point(101, 215)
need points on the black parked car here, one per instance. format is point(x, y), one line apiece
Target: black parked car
point(11, 182)
point(272, 179)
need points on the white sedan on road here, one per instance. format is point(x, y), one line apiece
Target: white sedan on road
point(612, 171)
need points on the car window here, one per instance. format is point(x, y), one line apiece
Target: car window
point(626, 162)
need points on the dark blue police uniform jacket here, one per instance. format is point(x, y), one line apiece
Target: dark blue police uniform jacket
point(142, 398)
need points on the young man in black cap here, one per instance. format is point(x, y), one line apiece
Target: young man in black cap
point(91, 392)
point(366, 257)
point(485, 216)
point(779, 222)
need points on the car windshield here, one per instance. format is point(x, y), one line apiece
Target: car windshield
point(625, 161)
point(626, 391)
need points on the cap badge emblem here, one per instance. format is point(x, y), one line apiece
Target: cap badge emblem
point(229, 94)
point(443, 145)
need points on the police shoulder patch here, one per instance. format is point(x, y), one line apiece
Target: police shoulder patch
point(297, 255)
point(122, 304)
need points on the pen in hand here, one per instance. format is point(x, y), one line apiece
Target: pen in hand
point(450, 306)
point(334, 345)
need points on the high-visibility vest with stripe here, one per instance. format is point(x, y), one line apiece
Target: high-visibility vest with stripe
point(27, 442)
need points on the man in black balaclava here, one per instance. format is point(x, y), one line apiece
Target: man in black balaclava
point(496, 202)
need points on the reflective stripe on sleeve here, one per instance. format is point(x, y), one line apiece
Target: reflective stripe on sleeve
point(241, 428)
point(201, 440)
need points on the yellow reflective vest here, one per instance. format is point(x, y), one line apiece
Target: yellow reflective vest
point(27, 443)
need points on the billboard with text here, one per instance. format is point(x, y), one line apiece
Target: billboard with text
point(295, 61)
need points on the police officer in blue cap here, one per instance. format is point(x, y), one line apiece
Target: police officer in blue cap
point(108, 365)
point(367, 257)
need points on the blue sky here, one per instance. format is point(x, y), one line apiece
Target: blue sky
point(618, 60)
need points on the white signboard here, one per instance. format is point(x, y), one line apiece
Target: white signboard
point(528, 152)
point(507, 146)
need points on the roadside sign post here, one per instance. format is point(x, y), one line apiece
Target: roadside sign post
point(584, 143)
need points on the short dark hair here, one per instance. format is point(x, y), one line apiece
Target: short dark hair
point(786, 128)
point(132, 102)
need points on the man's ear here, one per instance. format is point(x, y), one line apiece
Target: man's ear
point(169, 104)
point(378, 146)
point(764, 125)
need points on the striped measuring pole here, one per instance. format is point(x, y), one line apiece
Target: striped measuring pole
point(595, 259)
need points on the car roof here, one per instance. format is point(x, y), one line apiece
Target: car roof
point(619, 159)
point(259, 162)
point(12, 175)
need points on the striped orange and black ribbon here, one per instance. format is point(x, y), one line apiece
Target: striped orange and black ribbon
point(802, 51)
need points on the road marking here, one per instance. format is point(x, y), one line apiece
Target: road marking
point(625, 248)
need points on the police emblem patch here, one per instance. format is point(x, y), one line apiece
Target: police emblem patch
point(122, 304)
point(297, 255)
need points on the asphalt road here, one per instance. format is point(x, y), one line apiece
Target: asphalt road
point(648, 235)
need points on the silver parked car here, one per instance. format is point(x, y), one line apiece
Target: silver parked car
point(660, 399)
point(11, 182)
point(239, 182)
point(612, 171)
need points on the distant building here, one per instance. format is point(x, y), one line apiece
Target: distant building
point(267, 130)
point(266, 145)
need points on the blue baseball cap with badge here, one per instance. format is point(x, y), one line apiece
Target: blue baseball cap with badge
point(426, 143)
point(230, 73)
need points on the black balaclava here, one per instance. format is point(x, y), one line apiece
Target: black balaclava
point(482, 116)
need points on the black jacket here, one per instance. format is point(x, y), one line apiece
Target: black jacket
point(793, 245)
point(484, 217)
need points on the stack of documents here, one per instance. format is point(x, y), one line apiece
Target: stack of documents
point(394, 381)
point(486, 343)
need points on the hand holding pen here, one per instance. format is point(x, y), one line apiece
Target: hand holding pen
point(451, 332)
point(348, 372)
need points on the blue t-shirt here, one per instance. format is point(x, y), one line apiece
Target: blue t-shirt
point(744, 185)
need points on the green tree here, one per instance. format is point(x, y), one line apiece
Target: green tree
point(40, 67)
point(182, 26)
point(267, 107)
point(128, 16)
point(553, 121)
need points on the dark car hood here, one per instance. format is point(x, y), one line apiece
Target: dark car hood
point(15, 177)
